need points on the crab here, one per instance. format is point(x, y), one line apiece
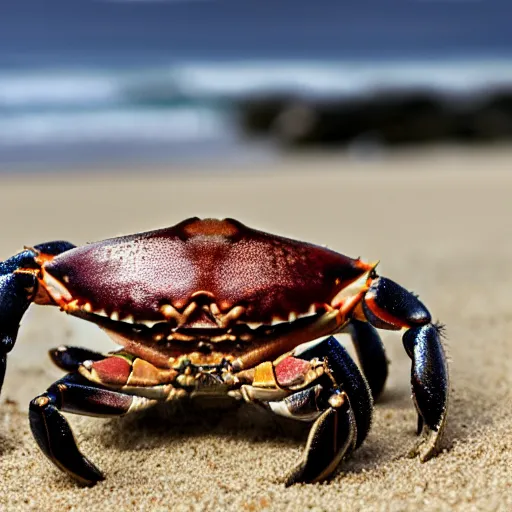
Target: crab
point(215, 307)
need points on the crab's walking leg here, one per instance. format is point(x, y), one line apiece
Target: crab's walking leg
point(52, 432)
point(344, 375)
point(387, 305)
point(339, 402)
point(70, 358)
point(332, 436)
point(371, 354)
point(17, 290)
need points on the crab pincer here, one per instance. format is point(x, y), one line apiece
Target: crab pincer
point(18, 287)
point(389, 306)
point(215, 307)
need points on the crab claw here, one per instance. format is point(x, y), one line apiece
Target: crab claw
point(430, 383)
point(18, 287)
point(387, 305)
point(15, 298)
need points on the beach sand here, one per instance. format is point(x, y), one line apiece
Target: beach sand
point(439, 221)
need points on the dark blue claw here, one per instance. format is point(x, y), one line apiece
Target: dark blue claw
point(24, 259)
point(389, 302)
point(429, 374)
point(17, 289)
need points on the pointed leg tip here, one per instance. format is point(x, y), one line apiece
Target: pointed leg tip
point(294, 477)
point(95, 476)
point(428, 447)
point(422, 453)
point(298, 476)
point(288, 482)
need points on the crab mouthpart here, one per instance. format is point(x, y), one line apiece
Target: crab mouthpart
point(54, 289)
point(163, 331)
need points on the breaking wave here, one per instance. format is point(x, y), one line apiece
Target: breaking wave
point(194, 102)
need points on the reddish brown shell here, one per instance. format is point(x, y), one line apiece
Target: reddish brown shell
point(230, 263)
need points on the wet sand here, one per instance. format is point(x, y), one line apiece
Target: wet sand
point(440, 222)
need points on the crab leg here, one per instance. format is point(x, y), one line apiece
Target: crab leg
point(71, 358)
point(18, 287)
point(345, 376)
point(346, 419)
point(371, 354)
point(339, 402)
point(332, 436)
point(52, 432)
point(389, 306)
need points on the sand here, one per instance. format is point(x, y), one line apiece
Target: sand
point(440, 222)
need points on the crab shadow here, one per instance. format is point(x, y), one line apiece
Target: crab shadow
point(393, 432)
point(8, 412)
point(470, 413)
point(190, 419)
point(6, 445)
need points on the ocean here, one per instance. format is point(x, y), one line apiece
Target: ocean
point(88, 83)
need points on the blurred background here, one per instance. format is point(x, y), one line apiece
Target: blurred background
point(379, 128)
point(101, 82)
